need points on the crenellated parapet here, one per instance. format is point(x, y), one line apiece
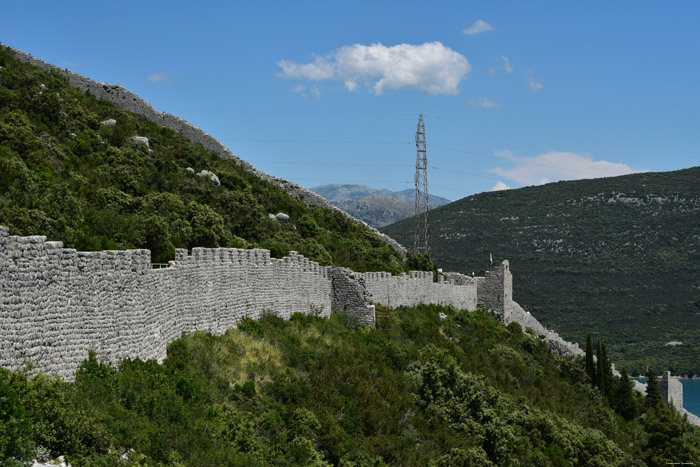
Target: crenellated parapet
point(418, 287)
point(57, 303)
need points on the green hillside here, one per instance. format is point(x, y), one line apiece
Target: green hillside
point(615, 257)
point(453, 390)
point(66, 175)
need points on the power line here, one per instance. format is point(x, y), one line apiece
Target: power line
point(353, 181)
point(464, 151)
point(366, 164)
point(359, 164)
point(305, 141)
point(519, 161)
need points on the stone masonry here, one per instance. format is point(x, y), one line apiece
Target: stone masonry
point(351, 296)
point(671, 390)
point(418, 287)
point(57, 303)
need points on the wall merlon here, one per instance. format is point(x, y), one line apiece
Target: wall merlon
point(115, 303)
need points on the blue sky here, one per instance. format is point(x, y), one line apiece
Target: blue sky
point(513, 93)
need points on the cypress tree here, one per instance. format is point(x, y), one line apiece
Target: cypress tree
point(600, 374)
point(608, 379)
point(624, 402)
point(653, 396)
point(590, 366)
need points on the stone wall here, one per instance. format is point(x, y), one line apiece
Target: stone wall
point(418, 287)
point(495, 291)
point(671, 390)
point(351, 296)
point(127, 100)
point(57, 303)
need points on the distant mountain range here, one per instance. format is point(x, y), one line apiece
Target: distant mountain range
point(615, 257)
point(377, 207)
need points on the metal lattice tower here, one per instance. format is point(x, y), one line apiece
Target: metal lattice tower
point(420, 233)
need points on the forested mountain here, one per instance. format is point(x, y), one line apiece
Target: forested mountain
point(615, 257)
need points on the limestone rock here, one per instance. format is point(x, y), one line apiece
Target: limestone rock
point(282, 217)
point(141, 140)
point(212, 176)
point(190, 169)
point(108, 122)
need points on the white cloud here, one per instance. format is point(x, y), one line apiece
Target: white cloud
point(301, 90)
point(532, 84)
point(430, 67)
point(159, 78)
point(485, 103)
point(350, 85)
point(477, 27)
point(554, 166)
point(492, 72)
point(500, 186)
point(507, 65)
point(316, 91)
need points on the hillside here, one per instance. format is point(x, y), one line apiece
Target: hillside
point(443, 388)
point(374, 206)
point(79, 170)
point(615, 257)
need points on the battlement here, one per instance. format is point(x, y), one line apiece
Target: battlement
point(419, 287)
point(56, 302)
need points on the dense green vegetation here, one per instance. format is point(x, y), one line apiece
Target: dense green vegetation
point(458, 390)
point(614, 257)
point(66, 176)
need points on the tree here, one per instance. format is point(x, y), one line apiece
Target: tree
point(653, 396)
point(670, 437)
point(608, 377)
point(600, 374)
point(590, 365)
point(623, 400)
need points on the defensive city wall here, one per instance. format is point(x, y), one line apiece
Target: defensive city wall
point(56, 303)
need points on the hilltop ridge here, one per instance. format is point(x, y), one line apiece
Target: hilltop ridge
point(83, 171)
point(127, 100)
point(614, 257)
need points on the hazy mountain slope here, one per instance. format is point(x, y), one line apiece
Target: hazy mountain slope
point(377, 207)
point(377, 211)
point(615, 257)
point(340, 192)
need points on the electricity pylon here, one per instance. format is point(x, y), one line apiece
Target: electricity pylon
point(420, 232)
